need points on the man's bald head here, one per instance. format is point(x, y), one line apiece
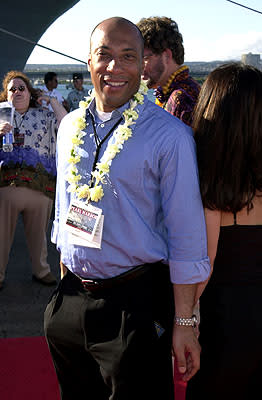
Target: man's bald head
point(116, 23)
point(115, 62)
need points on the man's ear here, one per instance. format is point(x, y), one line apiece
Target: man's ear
point(168, 55)
point(88, 62)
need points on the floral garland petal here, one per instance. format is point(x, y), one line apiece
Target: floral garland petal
point(94, 191)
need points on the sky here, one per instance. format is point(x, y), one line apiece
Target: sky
point(211, 29)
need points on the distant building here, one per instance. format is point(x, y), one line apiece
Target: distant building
point(252, 59)
point(36, 72)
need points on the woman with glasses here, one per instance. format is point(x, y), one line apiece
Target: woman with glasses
point(28, 172)
point(228, 131)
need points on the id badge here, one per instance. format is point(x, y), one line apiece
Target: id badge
point(95, 243)
point(19, 138)
point(83, 219)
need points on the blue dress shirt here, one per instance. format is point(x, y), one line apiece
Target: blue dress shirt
point(152, 204)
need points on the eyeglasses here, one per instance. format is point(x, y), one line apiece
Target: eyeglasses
point(13, 89)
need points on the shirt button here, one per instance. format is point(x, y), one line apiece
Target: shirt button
point(102, 125)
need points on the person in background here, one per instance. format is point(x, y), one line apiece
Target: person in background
point(50, 89)
point(78, 93)
point(111, 324)
point(228, 133)
point(28, 173)
point(176, 91)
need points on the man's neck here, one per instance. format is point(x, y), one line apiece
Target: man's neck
point(49, 88)
point(173, 67)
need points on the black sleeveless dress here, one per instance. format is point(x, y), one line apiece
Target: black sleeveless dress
point(231, 320)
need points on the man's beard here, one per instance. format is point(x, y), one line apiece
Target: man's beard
point(154, 79)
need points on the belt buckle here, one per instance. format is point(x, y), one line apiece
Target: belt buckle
point(89, 283)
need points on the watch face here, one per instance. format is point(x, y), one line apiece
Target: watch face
point(194, 320)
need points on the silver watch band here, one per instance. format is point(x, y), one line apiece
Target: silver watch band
point(181, 321)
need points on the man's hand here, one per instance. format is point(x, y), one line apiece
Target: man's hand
point(186, 350)
point(63, 270)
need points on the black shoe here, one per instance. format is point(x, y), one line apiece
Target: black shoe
point(48, 279)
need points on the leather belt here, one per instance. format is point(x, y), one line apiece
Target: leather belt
point(100, 284)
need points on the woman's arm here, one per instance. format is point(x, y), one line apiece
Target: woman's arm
point(213, 222)
point(58, 108)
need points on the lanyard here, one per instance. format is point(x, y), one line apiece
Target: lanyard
point(17, 128)
point(100, 142)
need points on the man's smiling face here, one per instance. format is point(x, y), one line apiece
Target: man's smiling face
point(115, 63)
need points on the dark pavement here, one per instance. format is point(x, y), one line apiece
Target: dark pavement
point(23, 301)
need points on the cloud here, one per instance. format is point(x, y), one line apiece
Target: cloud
point(234, 45)
point(228, 46)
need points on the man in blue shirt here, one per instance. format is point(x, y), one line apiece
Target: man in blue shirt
point(130, 228)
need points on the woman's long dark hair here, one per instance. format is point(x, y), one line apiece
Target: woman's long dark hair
point(228, 131)
point(18, 74)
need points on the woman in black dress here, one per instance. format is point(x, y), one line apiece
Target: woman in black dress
point(228, 132)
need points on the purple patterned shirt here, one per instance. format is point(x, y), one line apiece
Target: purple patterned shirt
point(181, 96)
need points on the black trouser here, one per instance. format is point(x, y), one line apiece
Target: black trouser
point(115, 343)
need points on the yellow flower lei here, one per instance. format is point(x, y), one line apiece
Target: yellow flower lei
point(120, 135)
point(165, 88)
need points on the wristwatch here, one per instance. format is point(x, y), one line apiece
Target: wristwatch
point(181, 321)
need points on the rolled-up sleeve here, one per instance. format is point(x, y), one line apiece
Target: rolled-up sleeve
point(183, 212)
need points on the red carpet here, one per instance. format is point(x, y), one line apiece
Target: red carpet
point(180, 386)
point(26, 370)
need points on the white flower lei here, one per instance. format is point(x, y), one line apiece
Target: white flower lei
point(120, 135)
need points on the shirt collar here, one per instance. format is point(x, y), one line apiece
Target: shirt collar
point(117, 113)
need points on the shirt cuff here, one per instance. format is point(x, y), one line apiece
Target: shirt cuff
point(54, 232)
point(189, 272)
